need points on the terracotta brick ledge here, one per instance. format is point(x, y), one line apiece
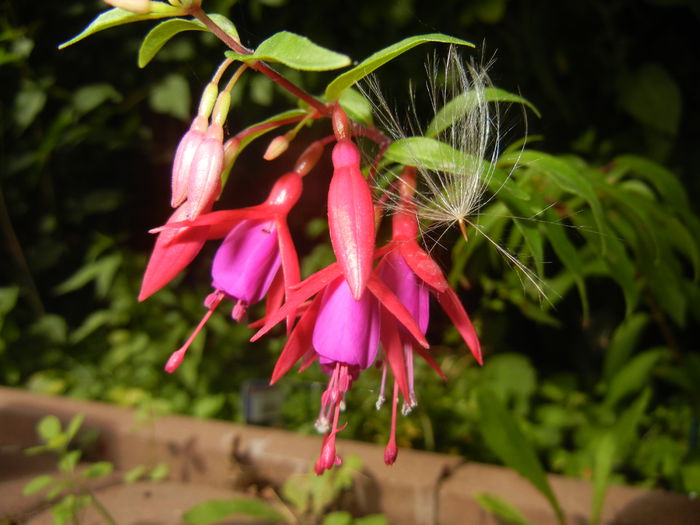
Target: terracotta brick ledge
point(422, 488)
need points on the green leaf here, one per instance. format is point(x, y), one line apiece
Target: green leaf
point(91, 97)
point(634, 376)
point(664, 181)
point(98, 470)
point(160, 472)
point(37, 484)
point(501, 509)
point(378, 59)
point(29, 102)
point(57, 489)
point(690, 474)
point(116, 17)
point(263, 130)
point(372, 519)
point(504, 437)
point(69, 460)
point(295, 51)
point(172, 97)
point(134, 474)
point(295, 490)
point(460, 105)
point(565, 175)
point(8, 298)
point(435, 155)
point(74, 425)
point(48, 428)
point(625, 428)
point(339, 517)
point(208, 405)
point(652, 97)
point(160, 34)
point(215, 510)
point(569, 257)
point(603, 458)
point(623, 344)
point(356, 106)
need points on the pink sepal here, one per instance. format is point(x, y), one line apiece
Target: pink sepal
point(454, 309)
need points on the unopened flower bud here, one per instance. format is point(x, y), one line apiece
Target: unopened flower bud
point(141, 7)
point(183, 159)
point(208, 99)
point(223, 104)
point(341, 126)
point(308, 159)
point(204, 181)
point(277, 146)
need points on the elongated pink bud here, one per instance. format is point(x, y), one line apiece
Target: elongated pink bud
point(277, 146)
point(135, 6)
point(351, 217)
point(183, 159)
point(204, 182)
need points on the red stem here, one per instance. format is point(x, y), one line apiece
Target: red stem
point(258, 65)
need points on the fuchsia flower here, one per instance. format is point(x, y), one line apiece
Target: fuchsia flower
point(343, 333)
point(246, 265)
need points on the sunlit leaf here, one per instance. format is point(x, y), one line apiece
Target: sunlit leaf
point(504, 437)
point(98, 470)
point(48, 428)
point(501, 509)
point(431, 154)
point(623, 344)
point(172, 97)
point(295, 51)
point(634, 376)
point(214, 510)
point(37, 484)
point(356, 106)
point(378, 59)
point(163, 32)
point(339, 517)
point(460, 105)
point(116, 17)
point(603, 458)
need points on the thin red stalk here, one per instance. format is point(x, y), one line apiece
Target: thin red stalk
point(260, 66)
point(269, 125)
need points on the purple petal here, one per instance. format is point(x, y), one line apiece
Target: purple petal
point(406, 285)
point(346, 330)
point(246, 262)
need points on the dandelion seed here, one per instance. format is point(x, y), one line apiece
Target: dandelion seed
point(455, 155)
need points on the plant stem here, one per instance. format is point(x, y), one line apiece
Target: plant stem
point(258, 65)
point(101, 508)
point(17, 255)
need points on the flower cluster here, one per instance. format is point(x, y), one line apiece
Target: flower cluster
point(370, 307)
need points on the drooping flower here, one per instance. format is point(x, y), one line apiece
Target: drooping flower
point(175, 248)
point(351, 217)
point(246, 265)
point(340, 332)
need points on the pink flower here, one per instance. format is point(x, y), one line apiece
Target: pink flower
point(175, 248)
point(342, 333)
point(246, 265)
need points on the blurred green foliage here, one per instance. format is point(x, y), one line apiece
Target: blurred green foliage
point(86, 141)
